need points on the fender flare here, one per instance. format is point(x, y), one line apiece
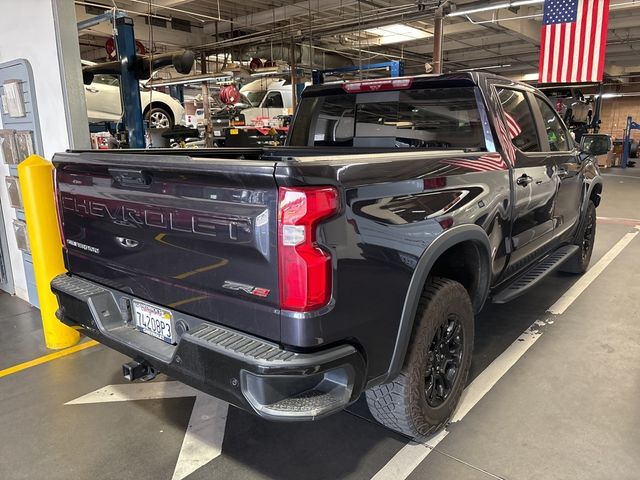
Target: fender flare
point(441, 244)
point(592, 185)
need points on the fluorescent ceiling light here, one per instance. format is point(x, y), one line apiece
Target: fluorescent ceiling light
point(397, 33)
point(531, 76)
point(492, 6)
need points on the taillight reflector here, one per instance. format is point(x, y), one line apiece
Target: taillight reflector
point(377, 85)
point(434, 183)
point(304, 267)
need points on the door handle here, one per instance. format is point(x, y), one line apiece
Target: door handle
point(524, 180)
point(91, 89)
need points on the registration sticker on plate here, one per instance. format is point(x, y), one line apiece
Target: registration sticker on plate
point(154, 321)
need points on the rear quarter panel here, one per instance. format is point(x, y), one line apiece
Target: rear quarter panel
point(393, 207)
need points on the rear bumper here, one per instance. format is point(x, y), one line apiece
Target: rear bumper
point(243, 370)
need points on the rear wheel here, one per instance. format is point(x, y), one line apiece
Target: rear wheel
point(423, 397)
point(585, 239)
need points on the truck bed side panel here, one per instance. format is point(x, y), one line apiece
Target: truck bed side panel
point(395, 206)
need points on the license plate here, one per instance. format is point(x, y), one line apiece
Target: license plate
point(154, 321)
point(233, 131)
point(217, 133)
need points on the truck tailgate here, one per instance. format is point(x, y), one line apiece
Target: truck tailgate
point(196, 235)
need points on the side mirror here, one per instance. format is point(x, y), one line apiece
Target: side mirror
point(595, 144)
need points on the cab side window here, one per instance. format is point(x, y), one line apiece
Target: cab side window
point(520, 122)
point(273, 100)
point(556, 133)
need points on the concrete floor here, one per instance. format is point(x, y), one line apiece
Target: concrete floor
point(567, 409)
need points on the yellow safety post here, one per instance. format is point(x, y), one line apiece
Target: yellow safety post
point(36, 186)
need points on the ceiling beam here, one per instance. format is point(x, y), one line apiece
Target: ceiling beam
point(169, 3)
point(279, 14)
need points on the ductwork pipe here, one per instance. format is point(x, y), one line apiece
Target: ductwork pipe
point(302, 56)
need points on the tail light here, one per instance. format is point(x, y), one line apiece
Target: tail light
point(304, 267)
point(56, 195)
point(377, 85)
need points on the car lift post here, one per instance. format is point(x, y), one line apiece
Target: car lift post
point(626, 142)
point(129, 85)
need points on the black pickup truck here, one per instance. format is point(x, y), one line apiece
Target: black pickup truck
point(290, 281)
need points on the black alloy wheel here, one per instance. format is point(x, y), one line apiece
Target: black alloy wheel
point(443, 361)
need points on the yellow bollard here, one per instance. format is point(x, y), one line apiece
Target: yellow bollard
point(36, 186)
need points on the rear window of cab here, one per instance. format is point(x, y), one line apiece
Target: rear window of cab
point(428, 118)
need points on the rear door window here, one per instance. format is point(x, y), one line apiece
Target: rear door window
point(556, 133)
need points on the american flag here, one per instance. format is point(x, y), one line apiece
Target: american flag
point(514, 128)
point(573, 41)
point(485, 163)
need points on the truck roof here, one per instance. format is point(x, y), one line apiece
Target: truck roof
point(457, 79)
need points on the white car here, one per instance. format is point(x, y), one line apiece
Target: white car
point(104, 104)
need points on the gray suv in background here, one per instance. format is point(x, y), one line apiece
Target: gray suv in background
point(571, 104)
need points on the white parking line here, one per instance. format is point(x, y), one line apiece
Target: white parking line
point(630, 177)
point(622, 221)
point(495, 371)
point(403, 463)
point(408, 458)
point(581, 285)
point(205, 431)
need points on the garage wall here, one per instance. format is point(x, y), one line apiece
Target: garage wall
point(614, 115)
point(27, 31)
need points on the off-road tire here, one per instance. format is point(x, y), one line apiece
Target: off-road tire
point(402, 404)
point(579, 263)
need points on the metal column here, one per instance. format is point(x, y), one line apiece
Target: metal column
point(438, 33)
point(626, 143)
point(129, 86)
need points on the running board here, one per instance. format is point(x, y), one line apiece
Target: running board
point(536, 273)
